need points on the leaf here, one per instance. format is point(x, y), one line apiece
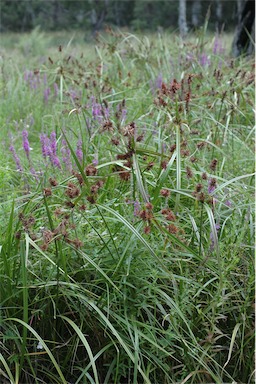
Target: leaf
point(234, 333)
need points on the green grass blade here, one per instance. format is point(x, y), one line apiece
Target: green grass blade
point(138, 176)
point(128, 225)
point(86, 345)
point(8, 371)
point(29, 328)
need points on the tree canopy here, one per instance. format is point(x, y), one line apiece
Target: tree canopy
point(23, 15)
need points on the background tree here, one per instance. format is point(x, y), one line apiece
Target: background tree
point(196, 13)
point(219, 14)
point(98, 14)
point(244, 40)
point(182, 18)
point(92, 15)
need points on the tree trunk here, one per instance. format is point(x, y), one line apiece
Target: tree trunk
point(196, 13)
point(98, 15)
point(182, 18)
point(244, 39)
point(219, 15)
point(239, 4)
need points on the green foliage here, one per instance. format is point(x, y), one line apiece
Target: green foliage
point(130, 259)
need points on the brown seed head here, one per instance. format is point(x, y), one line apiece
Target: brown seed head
point(150, 165)
point(164, 164)
point(172, 229)
point(165, 192)
point(201, 145)
point(91, 199)
point(199, 187)
point(108, 126)
point(79, 177)
point(129, 130)
point(189, 172)
point(213, 164)
point(172, 148)
point(149, 206)
point(170, 216)
point(69, 204)
point(201, 197)
point(72, 190)
point(185, 152)
point(204, 176)
point(145, 215)
point(53, 182)
point(124, 175)
point(212, 182)
point(47, 192)
point(193, 159)
point(90, 170)
point(115, 141)
point(147, 229)
point(47, 236)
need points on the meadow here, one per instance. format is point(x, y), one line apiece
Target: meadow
point(127, 209)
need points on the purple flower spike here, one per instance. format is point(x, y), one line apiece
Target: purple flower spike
point(136, 206)
point(124, 113)
point(106, 113)
point(53, 143)
point(190, 57)
point(25, 141)
point(46, 95)
point(56, 89)
point(211, 189)
point(26, 75)
point(49, 148)
point(95, 160)
point(79, 150)
point(96, 109)
point(159, 81)
point(16, 158)
point(211, 185)
point(66, 155)
point(204, 60)
point(45, 143)
point(55, 162)
point(53, 151)
point(217, 46)
point(34, 173)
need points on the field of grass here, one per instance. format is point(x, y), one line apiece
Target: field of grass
point(127, 210)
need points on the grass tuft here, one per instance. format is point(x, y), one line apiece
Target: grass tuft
point(127, 210)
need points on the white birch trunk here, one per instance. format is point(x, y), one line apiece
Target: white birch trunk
point(182, 18)
point(196, 13)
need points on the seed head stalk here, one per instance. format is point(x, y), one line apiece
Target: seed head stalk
point(178, 169)
point(61, 88)
point(201, 230)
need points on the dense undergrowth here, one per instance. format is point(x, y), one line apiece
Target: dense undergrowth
point(127, 239)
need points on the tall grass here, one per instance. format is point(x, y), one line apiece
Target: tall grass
point(127, 226)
